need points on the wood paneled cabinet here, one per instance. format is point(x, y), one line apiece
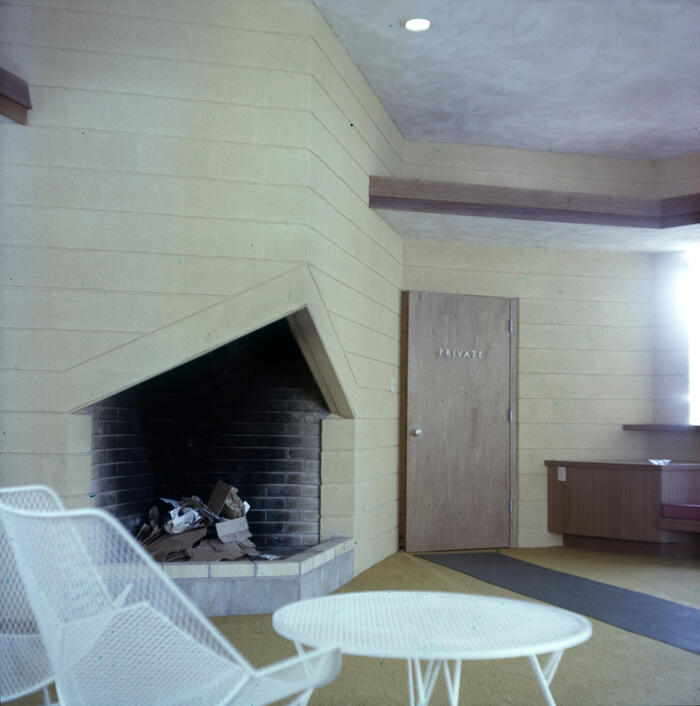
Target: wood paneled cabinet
point(617, 500)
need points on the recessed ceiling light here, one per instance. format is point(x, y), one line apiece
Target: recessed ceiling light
point(417, 25)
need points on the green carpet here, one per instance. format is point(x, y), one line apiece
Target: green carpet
point(613, 668)
point(667, 621)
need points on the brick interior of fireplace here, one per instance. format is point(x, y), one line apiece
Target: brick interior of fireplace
point(249, 413)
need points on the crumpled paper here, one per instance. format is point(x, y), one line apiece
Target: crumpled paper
point(182, 519)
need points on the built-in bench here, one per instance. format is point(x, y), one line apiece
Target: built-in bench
point(679, 517)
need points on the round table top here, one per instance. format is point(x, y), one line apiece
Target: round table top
point(430, 625)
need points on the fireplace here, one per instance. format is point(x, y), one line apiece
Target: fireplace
point(248, 413)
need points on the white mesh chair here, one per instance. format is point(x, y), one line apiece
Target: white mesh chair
point(24, 664)
point(118, 631)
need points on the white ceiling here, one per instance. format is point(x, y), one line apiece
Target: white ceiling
point(619, 78)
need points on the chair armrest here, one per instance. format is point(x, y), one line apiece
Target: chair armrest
point(310, 670)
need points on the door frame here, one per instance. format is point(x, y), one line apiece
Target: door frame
point(403, 414)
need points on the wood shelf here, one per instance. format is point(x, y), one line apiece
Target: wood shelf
point(661, 427)
point(489, 201)
point(14, 97)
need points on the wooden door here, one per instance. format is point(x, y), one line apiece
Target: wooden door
point(459, 437)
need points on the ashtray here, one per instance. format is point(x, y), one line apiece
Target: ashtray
point(659, 461)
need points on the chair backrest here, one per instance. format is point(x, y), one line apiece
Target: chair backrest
point(24, 664)
point(116, 629)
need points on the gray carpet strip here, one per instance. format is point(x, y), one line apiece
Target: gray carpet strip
point(662, 620)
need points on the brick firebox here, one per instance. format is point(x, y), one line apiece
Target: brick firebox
point(248, 413)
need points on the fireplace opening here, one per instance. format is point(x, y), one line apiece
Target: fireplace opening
point(248, 413)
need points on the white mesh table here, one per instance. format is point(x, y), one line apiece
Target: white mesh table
point(435, 632)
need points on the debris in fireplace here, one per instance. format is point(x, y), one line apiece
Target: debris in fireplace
point(182, 518)
point(191, 530)
point(224, 501)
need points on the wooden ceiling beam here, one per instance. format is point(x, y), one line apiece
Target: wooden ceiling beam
point(531, 204)
point(14, 97)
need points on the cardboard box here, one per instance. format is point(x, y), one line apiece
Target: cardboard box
point(213, 550)
point(169, 544)
point(232, 530)
point(224, 501)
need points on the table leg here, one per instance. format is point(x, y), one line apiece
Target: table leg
point(452, 680)
point(544, 677)
point(421, 681)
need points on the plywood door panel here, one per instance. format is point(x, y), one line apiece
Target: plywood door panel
point(458, 394)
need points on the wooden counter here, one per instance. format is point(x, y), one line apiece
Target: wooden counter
point(617, 500)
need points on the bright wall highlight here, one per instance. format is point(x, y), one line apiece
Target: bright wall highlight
point(690, 300)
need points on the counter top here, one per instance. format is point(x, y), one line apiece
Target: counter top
point(627, 465)
point(661, 427)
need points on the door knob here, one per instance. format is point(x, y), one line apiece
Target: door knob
point(417, 432)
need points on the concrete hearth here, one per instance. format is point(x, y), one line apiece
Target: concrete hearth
point(261, 586)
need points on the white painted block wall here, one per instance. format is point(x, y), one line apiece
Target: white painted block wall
point(191, 171)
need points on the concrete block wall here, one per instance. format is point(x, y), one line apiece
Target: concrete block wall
point(248, 414)
point(122, 480)
point(193, 170)
point(366, 451)
point(356, 263)
point(677, 175)
point(528, 169)
point(146, 190)
point(269, 447)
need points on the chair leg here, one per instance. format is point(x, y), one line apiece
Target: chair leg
point(47, 698)
point(302, 699)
